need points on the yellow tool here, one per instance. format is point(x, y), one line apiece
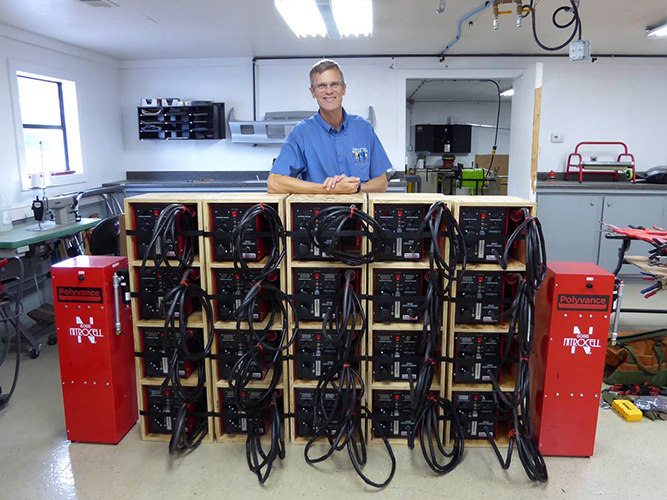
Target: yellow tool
point(627, 410)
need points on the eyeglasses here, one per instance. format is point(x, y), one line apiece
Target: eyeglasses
point(333, 86)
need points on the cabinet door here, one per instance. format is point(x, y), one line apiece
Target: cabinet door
point(570, 226)
point(626, 210)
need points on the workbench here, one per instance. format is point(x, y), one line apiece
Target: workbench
point(18, 240)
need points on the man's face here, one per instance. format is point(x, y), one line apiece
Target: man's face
point(328, 88)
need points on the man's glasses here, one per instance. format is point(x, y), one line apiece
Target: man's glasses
point(333, 86)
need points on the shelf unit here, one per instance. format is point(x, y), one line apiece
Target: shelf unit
point(376, 202)
point(515, 265)
point(196, 319)
point(276, 201)
point(206, 121)
point(361, 202)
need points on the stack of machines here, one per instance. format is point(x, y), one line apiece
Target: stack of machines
point(346, 320)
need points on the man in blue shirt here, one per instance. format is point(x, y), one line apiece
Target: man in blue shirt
point(332, 151)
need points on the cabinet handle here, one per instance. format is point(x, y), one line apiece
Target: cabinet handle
point(609, 203)
point(592, 203)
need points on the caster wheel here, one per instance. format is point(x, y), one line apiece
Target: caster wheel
point(53, 340)
point(34, 353)
point(629, 174)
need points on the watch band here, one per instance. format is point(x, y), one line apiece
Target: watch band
point(359, 187)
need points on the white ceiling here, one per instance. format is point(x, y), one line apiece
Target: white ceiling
point(457, 90)
point(150, 29)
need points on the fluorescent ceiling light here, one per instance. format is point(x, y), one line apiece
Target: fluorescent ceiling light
point(335, 18)
point(507, 93)
point(302, 16)
point(353, 17)
point(657, 31)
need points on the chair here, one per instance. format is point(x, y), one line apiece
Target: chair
point(105, 237)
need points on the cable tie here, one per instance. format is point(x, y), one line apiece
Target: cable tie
point(258, 284)
point(429, 360)
point(352, 211)
point(523, 359)
point(185, 283)
point(512, 433)
point(346, 365)
point(261, 205)
point(272, 403)
point(261, 349)
point(431, 397)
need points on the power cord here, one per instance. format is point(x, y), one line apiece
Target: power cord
point(341, 423)
point(520, 337)
point(171, 222)
point(330, 223)
point(15, 316)
point(575, 21)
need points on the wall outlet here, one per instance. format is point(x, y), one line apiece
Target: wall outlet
point(556, 137)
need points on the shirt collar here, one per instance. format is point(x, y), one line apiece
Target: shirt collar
point(329, 128)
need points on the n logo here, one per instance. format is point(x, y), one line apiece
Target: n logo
point(85, 330)
point(583, 340)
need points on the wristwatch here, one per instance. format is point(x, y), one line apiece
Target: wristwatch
point(358, 188)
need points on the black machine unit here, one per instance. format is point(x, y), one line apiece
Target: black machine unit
point(231, 288)
point(396, 344)
point(145, 217)
point(314, 355)
point(478, 413)
point(480, 355)
point(318, 290)
point(233, 344)
point(162, 411)
point(224, 219)
point(303, 246)
point(393, 409)
point(397, 294)
point(153, 284)
point(237, 422)
point(305, 411)
point(484, 230)
point(402, 224)
point(481, 296)
point(157, 357)
point(443, 138)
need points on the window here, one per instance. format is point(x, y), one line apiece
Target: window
point(47, 127)
point(44, 127)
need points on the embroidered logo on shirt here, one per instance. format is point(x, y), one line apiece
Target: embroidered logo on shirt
point(360, 155)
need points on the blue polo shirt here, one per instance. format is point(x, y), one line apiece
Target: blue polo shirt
point(315, 150)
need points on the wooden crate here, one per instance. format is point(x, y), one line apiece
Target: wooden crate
point(195, 320)
point(515, 264)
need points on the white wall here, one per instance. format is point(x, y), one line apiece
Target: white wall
point(98, 94)
point(464, 112)
point(604, 101)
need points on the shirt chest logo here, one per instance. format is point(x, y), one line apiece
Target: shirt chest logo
point(360, 155)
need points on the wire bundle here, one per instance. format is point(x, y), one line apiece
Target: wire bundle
point(173, 220)
point(176, 225)
point(13, 316)
point(520, 338)
point(341, 423)
point(426, 406)
point(575, 22)
point(263, 409)
point(330, 223)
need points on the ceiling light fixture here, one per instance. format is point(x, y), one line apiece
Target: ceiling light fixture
point(353, 17)
point(657, 31)
point(507, 93)
point(335, 18)
point(302, 16)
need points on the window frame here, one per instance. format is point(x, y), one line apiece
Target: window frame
point(70, 80)
point(62, 127)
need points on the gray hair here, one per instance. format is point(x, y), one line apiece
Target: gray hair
point(324, 65)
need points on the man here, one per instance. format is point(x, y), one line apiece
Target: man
point(332, 151)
